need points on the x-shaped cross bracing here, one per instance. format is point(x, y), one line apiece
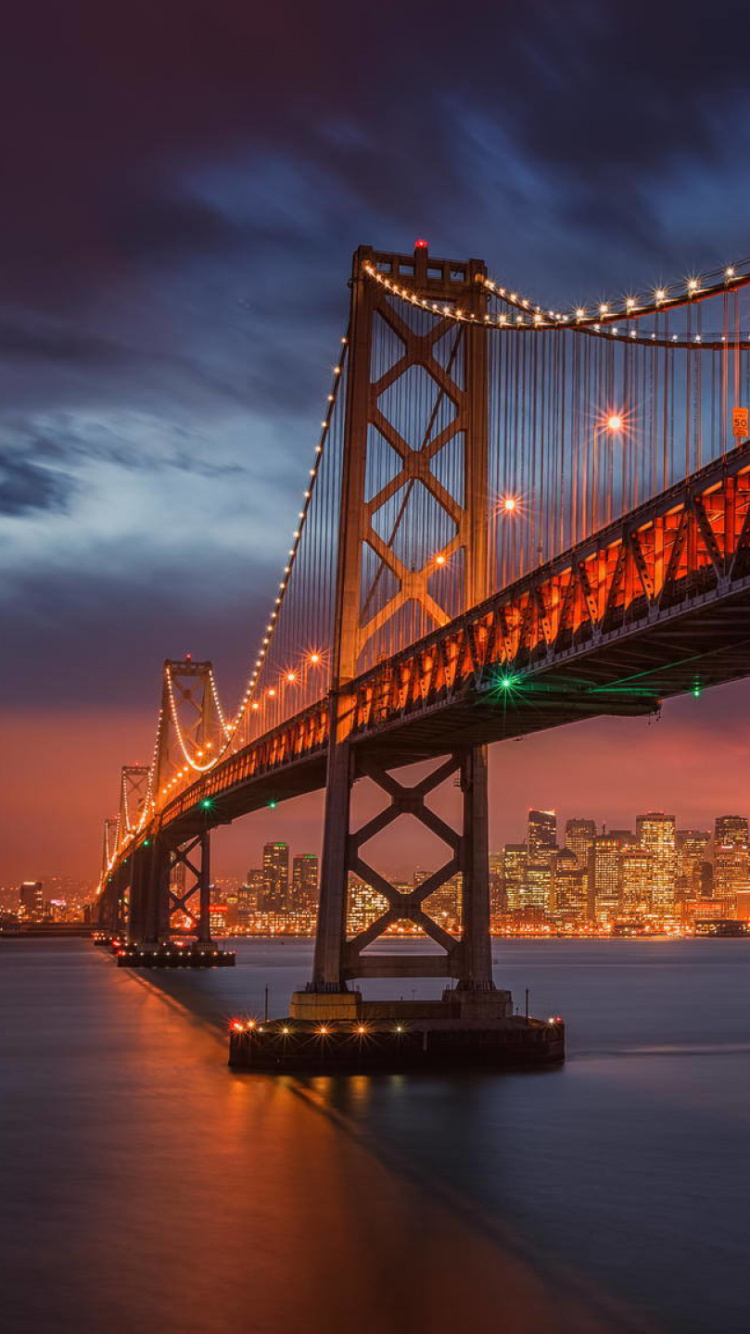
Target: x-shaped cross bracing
point(415, 468)
point(404, 906)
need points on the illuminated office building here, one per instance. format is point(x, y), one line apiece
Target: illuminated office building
point(538, 891)
point(692, 856)
point(275, 877)
point(731, 857)
point(514, 862)
point(605, 871)
point(541, 835)
point(31, 900)
point(579, 839)
point(305, 880)
point(635, 879)
point(656, 833)
point(445, 903)
point(569, 900)
point(364, 905)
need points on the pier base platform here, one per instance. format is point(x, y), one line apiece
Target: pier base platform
point(203, 954)
point(469, 1029)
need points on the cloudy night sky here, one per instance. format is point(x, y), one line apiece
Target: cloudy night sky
point(182, 188)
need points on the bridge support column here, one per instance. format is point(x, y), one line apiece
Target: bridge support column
point(339, 959)
point(138, 885)
point(476, 972)
point(171, 891)
point(153, 919)
point(331, 932)
point(203, 930)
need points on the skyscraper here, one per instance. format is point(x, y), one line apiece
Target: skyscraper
point(692, 852)
point(656, 833)
point(515, 860)
point(605, 858)
point(305, 879)
point(731, 856)
point(569, 897)
point(541, 842)
point(579, 839)
point(731, 830)
point(541, 837)
point(364, 905)
point(538, 892)
point(275, 876)
point(31, 899)
point(635, 879)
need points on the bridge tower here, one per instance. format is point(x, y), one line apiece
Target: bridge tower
point(443, 365)
point(111, 906)
point(169, 886)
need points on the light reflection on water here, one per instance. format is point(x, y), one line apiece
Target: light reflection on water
point(145, 1185)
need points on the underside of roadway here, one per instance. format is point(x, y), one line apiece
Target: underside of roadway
point(702, 642)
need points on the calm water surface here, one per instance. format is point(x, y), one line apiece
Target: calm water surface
point(145, 1187)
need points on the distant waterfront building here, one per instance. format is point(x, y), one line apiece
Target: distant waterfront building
point(275, 877)
point(731, 856)
point(541, 836)
point(605, 868)
point(579, 839)
point(656, 833)
point(305, 880)
point(31, 900)
point(515, 862)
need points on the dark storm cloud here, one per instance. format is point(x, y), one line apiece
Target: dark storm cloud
point(25, 487)
point(21, 339)
point(109, 633)
point(63, 442)
point(113, 100)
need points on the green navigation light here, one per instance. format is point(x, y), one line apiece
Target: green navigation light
point(207, 803)
point(273, 804)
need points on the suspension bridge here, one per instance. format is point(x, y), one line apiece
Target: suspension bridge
point(514, 517)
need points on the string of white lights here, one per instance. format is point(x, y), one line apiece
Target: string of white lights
point(273, 619)
point(198, 766)
point(229, 729)
point(595, 316)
